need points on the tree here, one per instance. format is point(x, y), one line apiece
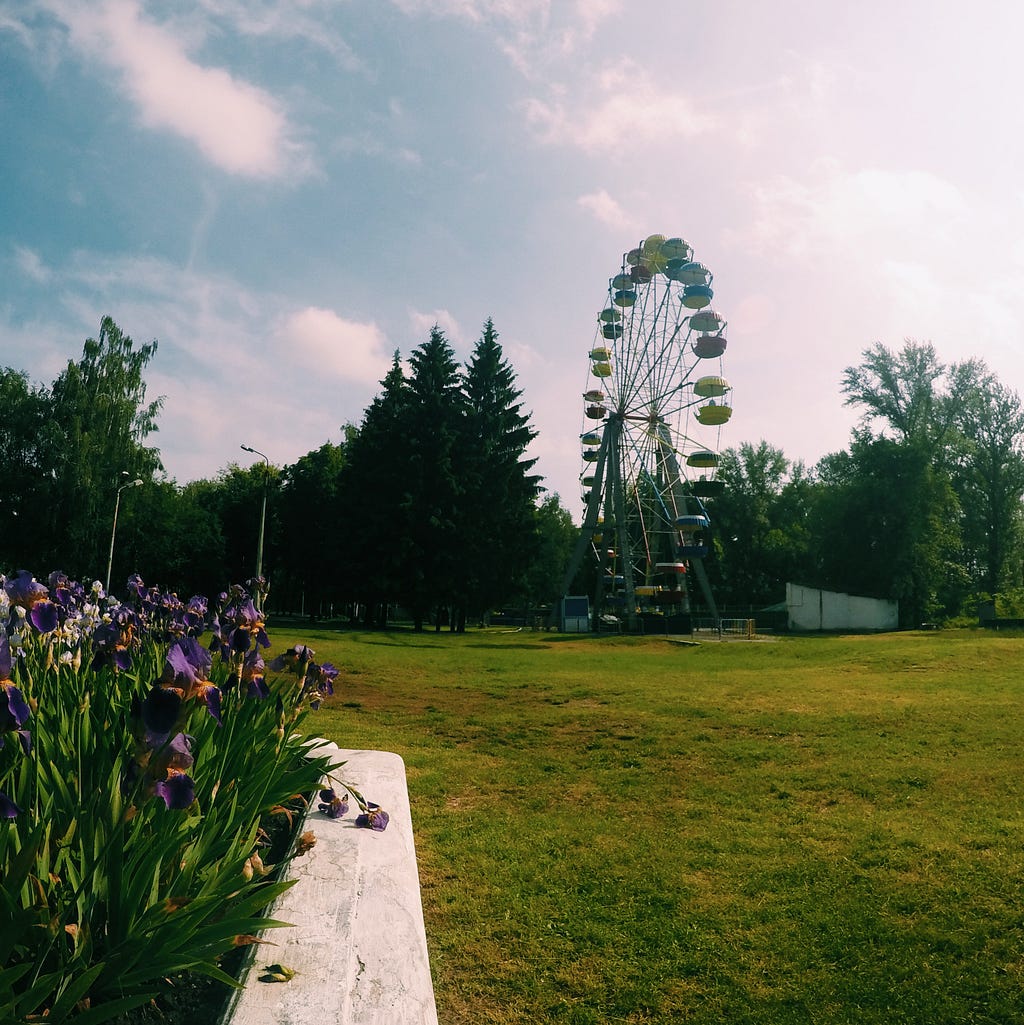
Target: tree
point(989, 480)
point(27, 449)
point(99, 407)
point(435, 569)
point(761, 522)
point(499, 520)
point(902, 390)
point(556, 537)
point(312, 556)
point(886, 525)
point(375, 504)
point(173, 537)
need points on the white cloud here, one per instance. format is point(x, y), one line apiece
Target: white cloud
point(607, 210)
point(335, 347)
point(520, 12)
point(624, 106)
point(30, 264)
point(422, 322)
point(307, 20)
point(533, 34)
point(877, 209)
point(234, 365)
point(236, 125)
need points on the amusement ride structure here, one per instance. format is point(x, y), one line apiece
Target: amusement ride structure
point(654, 403)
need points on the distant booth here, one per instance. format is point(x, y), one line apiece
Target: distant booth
point(574, 614)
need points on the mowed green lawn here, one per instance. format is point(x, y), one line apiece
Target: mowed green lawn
point(632, 830)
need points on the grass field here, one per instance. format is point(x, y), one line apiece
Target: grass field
point(800, 830)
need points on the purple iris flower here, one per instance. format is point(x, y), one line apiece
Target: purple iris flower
point(254, 674)
point(43, 616)
point(375, 817)
point(14, 709)
point(175, 754)
point(23, 589)
point(111, 641)
point(188, 663)
point(185, 671)
point(294, 660)
point(178, 790)
point(8, 809)
point(194, 616)
point(325, 678)
point(332, 805)
point(159, 714)
point(249, 628)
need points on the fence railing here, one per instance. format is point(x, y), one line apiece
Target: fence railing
point(746, 628)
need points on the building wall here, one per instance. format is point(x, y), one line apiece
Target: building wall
point(809, 608)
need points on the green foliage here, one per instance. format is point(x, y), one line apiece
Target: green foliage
point(934, 499)
point(436, 492)
point(107, 890)
point(99, 405)
point(761, 522)
point(311, 551)
point(556, 537)
point(499, 513)
point(375, 500)
point(26, 452)
point(432, 522)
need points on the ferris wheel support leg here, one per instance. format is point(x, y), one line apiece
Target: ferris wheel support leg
point(705, 587)
point(587, 531)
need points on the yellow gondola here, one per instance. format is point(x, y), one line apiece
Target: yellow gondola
point(712, 415)
point(711, 386)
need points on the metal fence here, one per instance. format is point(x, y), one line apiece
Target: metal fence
point(744, 628)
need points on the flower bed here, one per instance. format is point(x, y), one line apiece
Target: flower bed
point(139, 769)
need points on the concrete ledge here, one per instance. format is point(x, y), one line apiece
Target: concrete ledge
point(358, 946)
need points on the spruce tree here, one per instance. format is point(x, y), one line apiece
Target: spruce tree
point(374, 502)
point(435, 563)
point(498, 510)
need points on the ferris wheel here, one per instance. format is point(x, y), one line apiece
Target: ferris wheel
point(654, 404)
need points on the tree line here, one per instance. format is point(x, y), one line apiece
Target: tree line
point(923, 507)
point(431, 502)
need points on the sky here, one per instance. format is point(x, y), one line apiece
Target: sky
point(283, 193)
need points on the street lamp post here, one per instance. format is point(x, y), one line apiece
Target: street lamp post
point(113, 530)
point(263, 511)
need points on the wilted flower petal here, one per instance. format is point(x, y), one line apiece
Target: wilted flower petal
point(332, 805)
point(374, 817)
point(305, 843)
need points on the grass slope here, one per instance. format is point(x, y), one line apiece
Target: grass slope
point(822, 830)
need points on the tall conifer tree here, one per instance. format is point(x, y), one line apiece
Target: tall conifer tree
point(435, 565)
point(374, 501)
point(499, 518)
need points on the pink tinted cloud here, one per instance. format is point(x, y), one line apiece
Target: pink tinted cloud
point(334, 346)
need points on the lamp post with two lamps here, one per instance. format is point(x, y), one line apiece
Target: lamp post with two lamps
point(263, 511)
point(113, 530)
